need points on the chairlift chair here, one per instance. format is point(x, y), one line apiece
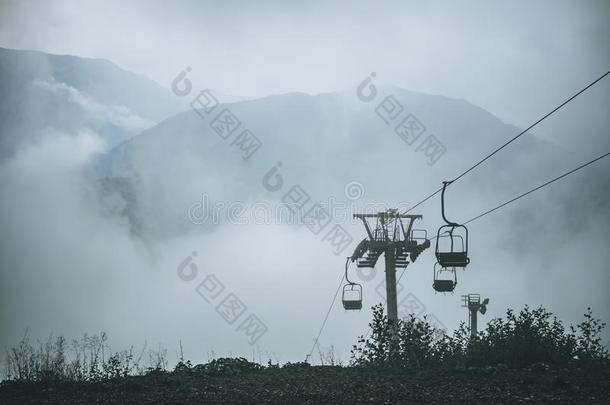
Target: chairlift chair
point(441, 284)
point(352, 296)
point(352, 292)
point(452, 246)
point(451, 240)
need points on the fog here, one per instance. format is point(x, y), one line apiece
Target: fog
point(75, 258)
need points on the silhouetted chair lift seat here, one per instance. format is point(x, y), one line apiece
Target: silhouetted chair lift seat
point(352, 296)
point(452, 246)
point(444, 285)
point(452, 259)
point(352, 305)
point(445, 279)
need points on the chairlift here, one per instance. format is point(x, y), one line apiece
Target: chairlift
point(445, 279)
point(352, 297)
point(451, 240)
point(352, 292)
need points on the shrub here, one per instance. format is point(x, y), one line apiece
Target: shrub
point(231, 366)
point(298, 364)
point(532, 336)
point(588, 341)
point(410, 342)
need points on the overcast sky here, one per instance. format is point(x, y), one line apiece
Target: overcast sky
point(515, 59)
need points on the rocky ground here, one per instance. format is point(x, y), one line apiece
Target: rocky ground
point(329, 385)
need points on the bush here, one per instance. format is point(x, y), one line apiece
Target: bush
point(410, 342)
point(588, 341)
point(524, 339)
point(230, 366)
point(532, 336)
point(298, 364)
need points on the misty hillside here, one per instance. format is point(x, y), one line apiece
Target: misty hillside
point(323, 142)
point(44, 93)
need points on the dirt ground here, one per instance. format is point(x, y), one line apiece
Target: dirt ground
point(329, 385)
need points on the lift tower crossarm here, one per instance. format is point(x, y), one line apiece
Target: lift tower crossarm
point(387, 215)
point(382, 216)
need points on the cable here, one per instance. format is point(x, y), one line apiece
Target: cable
point(423, 201)
point(325, 319)
point(532, 126)
point(537, 188)
point(511, 140)
point(534, 189)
